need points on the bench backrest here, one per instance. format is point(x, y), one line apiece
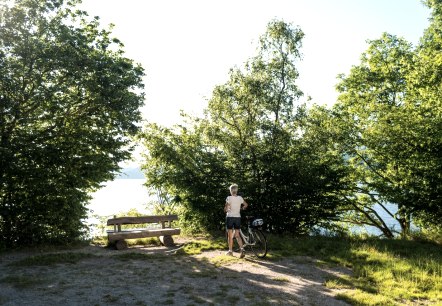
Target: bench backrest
point(143, 219)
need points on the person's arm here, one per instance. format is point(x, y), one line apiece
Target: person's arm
point(226, 207)
point(244, 204)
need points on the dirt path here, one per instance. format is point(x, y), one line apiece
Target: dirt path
point(155, 276)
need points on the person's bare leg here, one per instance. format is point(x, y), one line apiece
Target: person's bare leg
point(238, 238)
point(230, 235)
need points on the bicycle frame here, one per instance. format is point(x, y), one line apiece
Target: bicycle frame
point(252, 238)
point(245, 238)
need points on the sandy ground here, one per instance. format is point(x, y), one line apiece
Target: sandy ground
point(110, 277)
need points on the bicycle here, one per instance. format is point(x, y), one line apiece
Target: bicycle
point(254, 237)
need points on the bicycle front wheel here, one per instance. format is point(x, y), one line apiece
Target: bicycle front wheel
point(259, 247)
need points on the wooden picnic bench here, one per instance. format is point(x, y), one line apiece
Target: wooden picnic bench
point(118, 235)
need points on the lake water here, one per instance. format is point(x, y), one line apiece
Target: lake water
point(121, 195)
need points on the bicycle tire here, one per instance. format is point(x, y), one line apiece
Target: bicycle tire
point(260, 244)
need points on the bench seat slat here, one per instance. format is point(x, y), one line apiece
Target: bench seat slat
point(143, 219)
point(135, 234)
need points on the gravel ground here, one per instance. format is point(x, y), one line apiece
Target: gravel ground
point(156, 276)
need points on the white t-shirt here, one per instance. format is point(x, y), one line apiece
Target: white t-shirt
point(235, 205)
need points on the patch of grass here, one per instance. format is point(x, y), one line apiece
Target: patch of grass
point(151, 241)
point(53, 259)
point(359, 297)
point(384, 271)
point(281, 279)
point(198, 246)
point(101, 241)
point(339, 283)
point(22, 281)
point(321, 263)
point(223, 260)
point(104, 242)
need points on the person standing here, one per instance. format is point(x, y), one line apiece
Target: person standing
point(233, 218)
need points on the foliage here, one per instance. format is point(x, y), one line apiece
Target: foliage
point(69, 104)
point(251, 134)
point(388, 120)
point(369, 116)
point(427, 232)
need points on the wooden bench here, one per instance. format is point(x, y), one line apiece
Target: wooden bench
point(117, 236)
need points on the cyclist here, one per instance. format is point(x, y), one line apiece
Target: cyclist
point(233, 218)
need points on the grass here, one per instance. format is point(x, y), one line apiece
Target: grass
point(223, 260)
point(151, 241)
point(103, 241)
point(53, 259)
point(281, 279)
point(385, 272)
point(197, 247)
point(22, 281)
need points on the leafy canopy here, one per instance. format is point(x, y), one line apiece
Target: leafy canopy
point(251, 134)
point(69, 103)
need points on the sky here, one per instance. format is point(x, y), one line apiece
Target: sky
point(187, 47)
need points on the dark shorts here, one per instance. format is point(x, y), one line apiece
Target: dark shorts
point(233, 222)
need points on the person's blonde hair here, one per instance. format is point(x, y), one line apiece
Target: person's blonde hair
point(233, 187)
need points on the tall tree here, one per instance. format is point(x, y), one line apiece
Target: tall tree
point(252, 135)
point(69, 102)
point(425, 134)
point(390, 132)
point(369, 111)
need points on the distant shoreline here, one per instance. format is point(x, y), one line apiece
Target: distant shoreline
point(131, 173)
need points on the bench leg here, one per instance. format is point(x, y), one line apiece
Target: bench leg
point(121, 245)
point(167, 241)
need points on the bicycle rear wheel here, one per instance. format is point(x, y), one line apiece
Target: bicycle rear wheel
point(259, 247)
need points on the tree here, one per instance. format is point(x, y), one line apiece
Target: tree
point(69, 103)
point(251, 134)
point(389, 136)
point(189, 172)
point(425, 134)
point(372, 96)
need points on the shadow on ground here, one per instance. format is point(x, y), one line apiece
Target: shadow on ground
point(155, 276)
